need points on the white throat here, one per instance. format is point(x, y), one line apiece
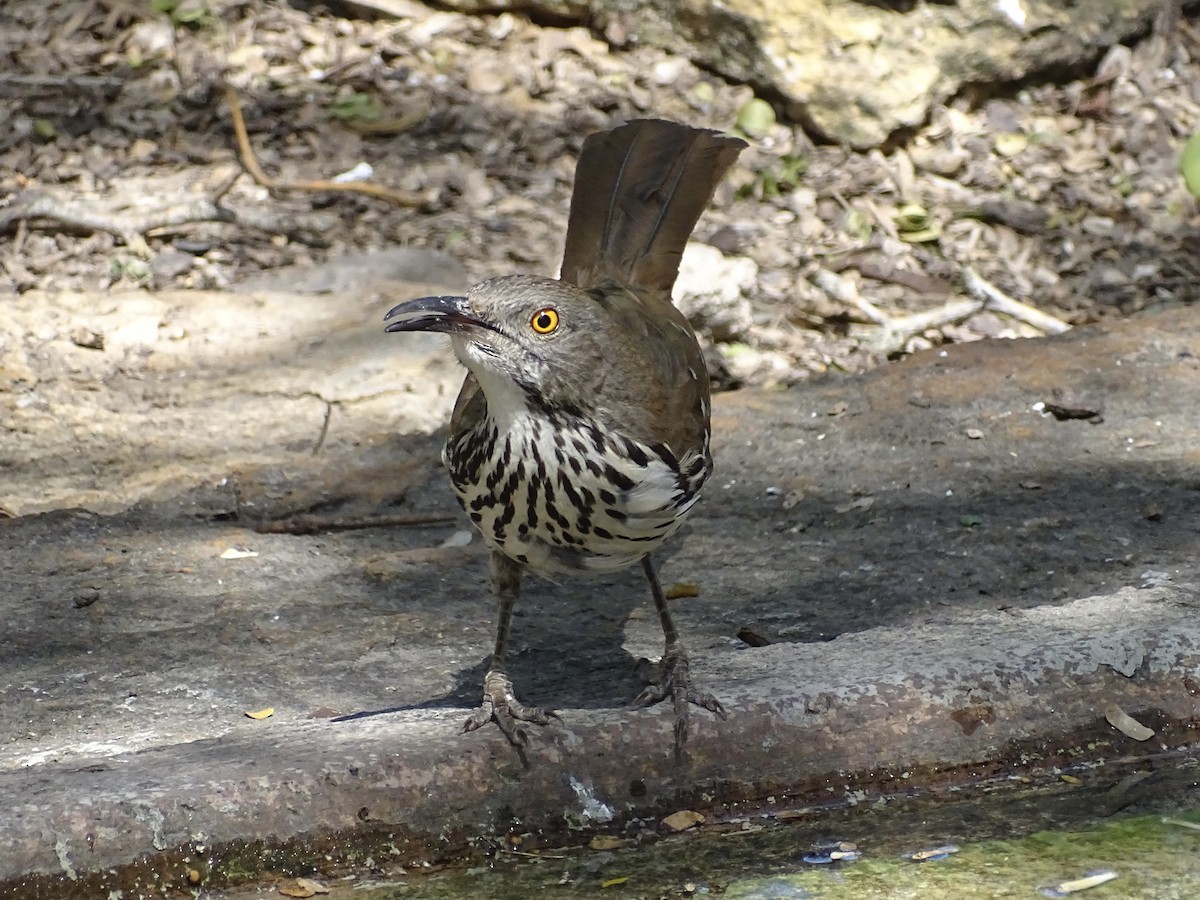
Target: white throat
point(507, 402)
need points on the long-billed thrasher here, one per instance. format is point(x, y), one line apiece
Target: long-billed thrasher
point(579, 440)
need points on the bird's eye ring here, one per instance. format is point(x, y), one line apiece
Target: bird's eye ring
point(545, 320)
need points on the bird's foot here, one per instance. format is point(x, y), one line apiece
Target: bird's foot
point(675, 681)
point(500, 706)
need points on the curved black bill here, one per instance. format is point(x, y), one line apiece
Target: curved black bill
point(432, 314)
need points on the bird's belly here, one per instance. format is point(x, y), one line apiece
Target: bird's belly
point(559, 502)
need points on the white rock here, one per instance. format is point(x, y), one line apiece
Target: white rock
point(713, 291)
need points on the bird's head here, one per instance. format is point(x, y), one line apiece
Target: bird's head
point(612, 354)
point(540, 335)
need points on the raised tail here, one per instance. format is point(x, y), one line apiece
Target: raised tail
point(639, 190)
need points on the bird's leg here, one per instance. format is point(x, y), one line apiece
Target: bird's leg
point(675, 681)
point(499, 704)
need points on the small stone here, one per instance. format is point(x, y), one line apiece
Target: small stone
point(488, 76)
point(142, 149)
point(170, 264)
point(88, 339)
point(667, 71)
point(86, 598)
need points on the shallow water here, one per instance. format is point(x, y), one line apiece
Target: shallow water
point(1014, 840)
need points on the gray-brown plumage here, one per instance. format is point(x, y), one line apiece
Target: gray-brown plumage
point(580, 439)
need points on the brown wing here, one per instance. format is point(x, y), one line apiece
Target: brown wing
point(657, 387)
point(639, 191)
point(469, 409)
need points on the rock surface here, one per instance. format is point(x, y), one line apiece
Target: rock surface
point(942, 573)
point(859, 71)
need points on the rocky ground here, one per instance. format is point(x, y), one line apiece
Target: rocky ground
point(910, 581)
point(121, 168)
point(973, 564)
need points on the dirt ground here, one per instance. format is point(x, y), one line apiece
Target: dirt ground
point(117, 166)
point(965, 562)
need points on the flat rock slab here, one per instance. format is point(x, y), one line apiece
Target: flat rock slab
point(940, 572)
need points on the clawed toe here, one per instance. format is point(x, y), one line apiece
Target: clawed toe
point(501, 706)
point(675, 682)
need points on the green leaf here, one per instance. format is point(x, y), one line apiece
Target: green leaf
point(356, 106)
point(756, 118)
point(857, 224)
point(915, 224)
point(703, 93)
point(1189, 165)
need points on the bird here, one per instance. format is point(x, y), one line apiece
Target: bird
point(579, 441)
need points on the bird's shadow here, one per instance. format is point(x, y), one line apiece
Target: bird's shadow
point(566, 650)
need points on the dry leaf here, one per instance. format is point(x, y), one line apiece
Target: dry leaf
point(1090, 880)
point(295, 890)
point(260, 713)
point(1127, 724)
point(606, 842)
point(933, 853)
point(753, 638)
point(682, 820)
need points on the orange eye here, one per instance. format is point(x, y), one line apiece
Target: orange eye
point(544, 321)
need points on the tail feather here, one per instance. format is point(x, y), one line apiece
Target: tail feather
point(639, 191)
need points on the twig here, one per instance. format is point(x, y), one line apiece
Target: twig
point(27, 84)
point(885, 222)
point(250, 161)
point(946, 314)
point(1166, 23)
point(996, 300)
point(893, 332)
point(917, 282)
point(310, 524)
point(844, 291)
point(130, 226)
point(18, 241)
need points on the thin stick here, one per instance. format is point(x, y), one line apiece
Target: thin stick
point(995, 299)
point(844, 291)
point(307, 524)
point(250, 161)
